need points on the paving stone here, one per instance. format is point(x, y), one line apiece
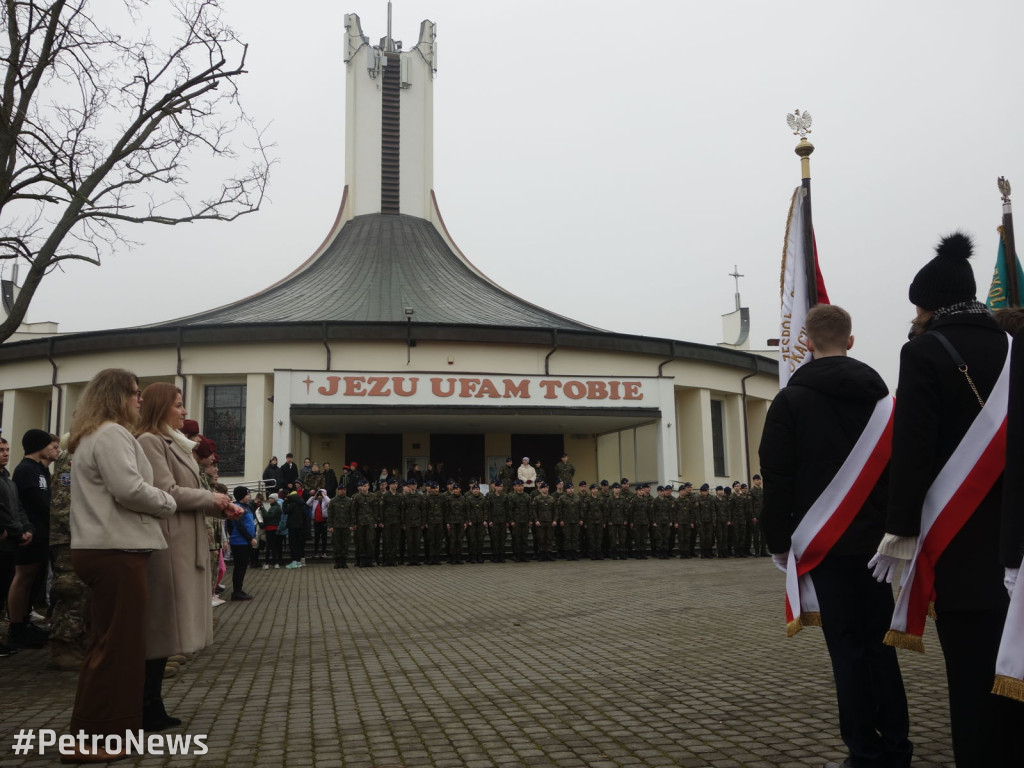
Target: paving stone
point(583, 665)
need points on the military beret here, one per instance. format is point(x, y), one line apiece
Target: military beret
point(624, 480)
point(431, 484)
point(705, 487)
point(593, 486)
point(757, 477)
point(719, 488)
point(616, 485)
point(661, 488)
point(728, 491)
point(604, 483)
point(517, 482)
point(542, 484)
point(743, 485)
point(497, 482)
point(583, 483)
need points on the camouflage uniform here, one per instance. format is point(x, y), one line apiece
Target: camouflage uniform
point(741, 524)
point(704, 516)
point(476, 514)
point(544, 514)
point(757, 537)
point(69, 597)
point(639, 524)
point(618, 526)
point(497, 522)
point(508, 476)
point(414, 524)
point(391, 518)
point(661, 519)
point(519, 521)
point(569, 521)
point(455, 523)
point(341, 522)
point(564, 471)
point(687, 524)
point(723, 522)
point(597, 516)
point(365, 511)
point(434, 512)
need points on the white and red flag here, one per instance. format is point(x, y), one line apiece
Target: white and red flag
point(802, 284)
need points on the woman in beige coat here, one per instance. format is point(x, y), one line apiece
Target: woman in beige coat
point(179, 583)
point(115, 530)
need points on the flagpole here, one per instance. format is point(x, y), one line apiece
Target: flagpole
point(802, 126)
point(1012, 288)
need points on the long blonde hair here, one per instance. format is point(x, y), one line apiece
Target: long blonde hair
point(108, 397)
point(157, 399)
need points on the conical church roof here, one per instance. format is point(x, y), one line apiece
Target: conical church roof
point(376, 267)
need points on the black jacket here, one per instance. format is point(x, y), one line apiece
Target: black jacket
point(811, 427)
point(1012, 539)
point(935, 406)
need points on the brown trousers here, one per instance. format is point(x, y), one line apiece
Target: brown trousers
point(109, 697)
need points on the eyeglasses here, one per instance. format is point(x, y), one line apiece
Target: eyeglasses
point(135, 393)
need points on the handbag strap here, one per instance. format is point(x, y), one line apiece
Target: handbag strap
point(959, 362)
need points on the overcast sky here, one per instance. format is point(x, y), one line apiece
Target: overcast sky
point(612, 161)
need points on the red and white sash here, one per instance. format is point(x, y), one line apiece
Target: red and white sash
point(831, 514)
point(959, 488)
point(1010, 661)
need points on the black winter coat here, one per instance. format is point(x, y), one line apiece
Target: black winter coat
point(934, 409)
point(811, 427)
point(1012, 539)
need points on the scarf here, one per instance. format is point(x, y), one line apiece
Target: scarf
point(972, 307)
point(1010, 661)
point(961, 484)
point(831, 514)
point(184, 443)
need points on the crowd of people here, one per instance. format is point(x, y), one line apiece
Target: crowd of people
point(402, 522)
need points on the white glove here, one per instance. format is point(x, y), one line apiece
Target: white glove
point(884, 567)
point(1010, 579)
point(781, 561)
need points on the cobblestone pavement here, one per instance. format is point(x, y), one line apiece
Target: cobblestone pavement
point(597, 664)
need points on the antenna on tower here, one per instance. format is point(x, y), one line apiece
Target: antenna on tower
point(736, 274)
point(390, 44)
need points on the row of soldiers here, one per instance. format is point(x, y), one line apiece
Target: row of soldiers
point(598, 521)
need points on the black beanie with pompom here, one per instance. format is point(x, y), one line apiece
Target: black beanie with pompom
point(948, 278)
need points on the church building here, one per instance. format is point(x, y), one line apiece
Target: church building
point(357, 356)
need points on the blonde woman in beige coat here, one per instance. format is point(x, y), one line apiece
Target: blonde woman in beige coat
point(115, 530)
point(181, 619)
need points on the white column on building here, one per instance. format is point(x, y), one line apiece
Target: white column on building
point(667, 440)
point(256, 394)
point(282, 420)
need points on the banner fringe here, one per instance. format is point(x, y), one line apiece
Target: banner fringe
point(811, 619)
point(1010, 687)
point(794, 626)
point(931, 611)
point(904, 640)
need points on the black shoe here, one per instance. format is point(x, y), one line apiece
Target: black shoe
point(220, 589)
point(155, 717)
point(7, 650)
point(20, 637)
point(241, 596)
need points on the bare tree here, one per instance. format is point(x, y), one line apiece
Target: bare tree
point(101, 119)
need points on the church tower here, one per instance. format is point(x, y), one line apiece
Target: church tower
point(389, 119)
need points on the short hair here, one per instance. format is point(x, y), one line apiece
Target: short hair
point(828, 326)
point(3, 440)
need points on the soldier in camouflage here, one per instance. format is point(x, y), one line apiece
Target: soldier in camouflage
point(341, 525)
point(758, 546)
point(365, 511)
point(507, 475)
point(497, 520)
point(564, 470)
point(723, 520)
point(69, 597)
point(661, 519)
point(704, 516)
point(545, 518)
point(742, 516)
point(597, 522)
point(640, 521)
point(570, 522)
point(455, 524)
point(476, 516)
point(434, 511)
point(618, 524)
point(519, 520)
point(391, 517)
